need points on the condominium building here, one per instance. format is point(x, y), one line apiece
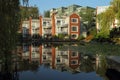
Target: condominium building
point(53, 26)
point(65, 11)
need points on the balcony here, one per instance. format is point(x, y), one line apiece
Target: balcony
point(47, 32)
point(62, 32)
point(47, 26)
point(47, 50)
point(64, 25)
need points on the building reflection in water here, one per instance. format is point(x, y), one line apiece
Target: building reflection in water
point(30, 57)
point(51, 56)
point(64, 60)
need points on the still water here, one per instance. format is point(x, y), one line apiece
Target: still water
point(50, 61)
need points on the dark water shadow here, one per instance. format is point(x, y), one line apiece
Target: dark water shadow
point(113, 74)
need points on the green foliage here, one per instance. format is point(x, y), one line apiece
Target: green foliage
point(116, 5)
point(116, 8)
point(61, 36)
point(106, 18)
point(46, 13)
point(27, 12)
point(88, 19)
point(81, 37)
point(93, 31)
point(9, 23)
point(118, 16)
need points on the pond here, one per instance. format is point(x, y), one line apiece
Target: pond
point(58, 61)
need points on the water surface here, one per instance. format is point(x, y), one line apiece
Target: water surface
point(50, 61)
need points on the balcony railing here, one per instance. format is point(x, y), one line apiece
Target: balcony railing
point(62, 25)
point(47, 50)
point(47, 26)
point(62, 32)
point(47, 32)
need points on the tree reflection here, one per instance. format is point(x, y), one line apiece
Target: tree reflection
point(87, 64)
point(113, 74)
point(47, 65)
point(24, 65)
point(34, 66)
point(9, 68)
point(102, 67)
point(9, 23)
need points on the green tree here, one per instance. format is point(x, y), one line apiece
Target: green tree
point(88, 18)
point(9, 24)
point(46, 13)
point(116, 8)
point(107, 18)
point(27, 12)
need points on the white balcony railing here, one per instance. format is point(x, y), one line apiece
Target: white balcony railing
point(47, 26)
point(62, 32)
point(47, 32)
point(47, 50)
point(62, 25)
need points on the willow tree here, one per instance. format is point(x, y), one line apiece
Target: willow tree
point(9, 24)
point(116, 8)
point(107, 18)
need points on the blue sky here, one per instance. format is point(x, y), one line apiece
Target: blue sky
point(48, 4)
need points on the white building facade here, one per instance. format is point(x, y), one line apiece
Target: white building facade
point(48, 27)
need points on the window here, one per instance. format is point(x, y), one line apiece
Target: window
point(58, 60)
point(74, 54)
point(24, 30)
point(73, 62)
point(26, 54)
point(44, 23)
point(33, 55)
point(74, 20)
point(58, 22)
point(48, 23)
point(73, 36)
point(74, 28)
point(25, 48)
point(44, 57)
point(33, 27)
point(63, 21)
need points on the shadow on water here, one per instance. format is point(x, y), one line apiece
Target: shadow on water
point(113, 74)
